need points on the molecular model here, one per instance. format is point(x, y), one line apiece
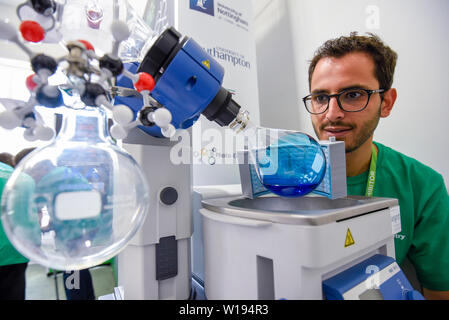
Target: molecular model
point(89, 76)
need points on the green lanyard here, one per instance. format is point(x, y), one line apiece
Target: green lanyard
point(372, 173)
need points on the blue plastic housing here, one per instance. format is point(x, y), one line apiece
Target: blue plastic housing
point(396, 287)
point(187, 86)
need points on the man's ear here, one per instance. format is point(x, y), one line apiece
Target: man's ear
point(388, 102)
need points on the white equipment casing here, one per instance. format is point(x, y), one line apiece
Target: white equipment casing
point(138, 265)
point(201, 193)
point(273, 253)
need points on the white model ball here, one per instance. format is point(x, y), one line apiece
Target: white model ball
point(118, 132)
point(168, 131)
point(44, 133)
point(162, 117)
point(9, 120)
point(122, 114)
point(120, 30)
point(29, 122)
point(29, 135)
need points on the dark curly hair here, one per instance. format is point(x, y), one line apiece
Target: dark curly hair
point(384, 57)
point(7, 158)
point(22, 154)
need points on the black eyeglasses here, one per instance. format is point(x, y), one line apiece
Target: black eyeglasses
point(350, 100)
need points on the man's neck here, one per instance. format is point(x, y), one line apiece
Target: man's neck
point(358, 161)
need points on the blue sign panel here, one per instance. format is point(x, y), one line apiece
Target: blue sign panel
point(205, 6)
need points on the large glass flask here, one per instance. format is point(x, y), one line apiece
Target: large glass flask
point(78, 201)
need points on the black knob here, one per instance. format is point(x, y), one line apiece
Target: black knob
point(169, 195)
point(91, 92)
point(160, 54)
point(45, 7)
point(42, 61)
point(113, 65)
point(143, 117)
point(222, 109)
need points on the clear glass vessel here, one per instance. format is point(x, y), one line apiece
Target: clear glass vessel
point(288, 163)
point(78, 201)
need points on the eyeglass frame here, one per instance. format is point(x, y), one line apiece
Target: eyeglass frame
point(337, 96)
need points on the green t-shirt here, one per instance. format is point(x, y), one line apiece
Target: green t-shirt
point(8, 254)
point(424, 206)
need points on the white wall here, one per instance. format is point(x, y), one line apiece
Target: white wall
point(415, 29)
point(275, 57)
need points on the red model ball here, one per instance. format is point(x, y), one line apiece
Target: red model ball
point(145, 82)
point(30, 83)
point(88, 45)
point(32, 31)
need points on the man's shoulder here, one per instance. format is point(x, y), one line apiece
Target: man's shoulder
point(5, 171)
point(398, 162)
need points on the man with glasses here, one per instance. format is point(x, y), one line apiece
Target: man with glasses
point(350, 80)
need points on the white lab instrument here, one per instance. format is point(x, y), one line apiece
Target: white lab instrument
point(284, 248)
point(156, 264)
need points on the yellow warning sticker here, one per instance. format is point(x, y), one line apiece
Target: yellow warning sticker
point(349, 239)
point(206, 63)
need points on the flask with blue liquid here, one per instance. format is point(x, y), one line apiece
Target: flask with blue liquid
point(288, 163)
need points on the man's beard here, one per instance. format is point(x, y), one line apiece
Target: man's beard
point(367, 130)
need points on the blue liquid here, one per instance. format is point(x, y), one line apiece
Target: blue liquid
point(293, 166)
point(291, 191)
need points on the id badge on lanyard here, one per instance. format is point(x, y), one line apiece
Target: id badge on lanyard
point(372, 173)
